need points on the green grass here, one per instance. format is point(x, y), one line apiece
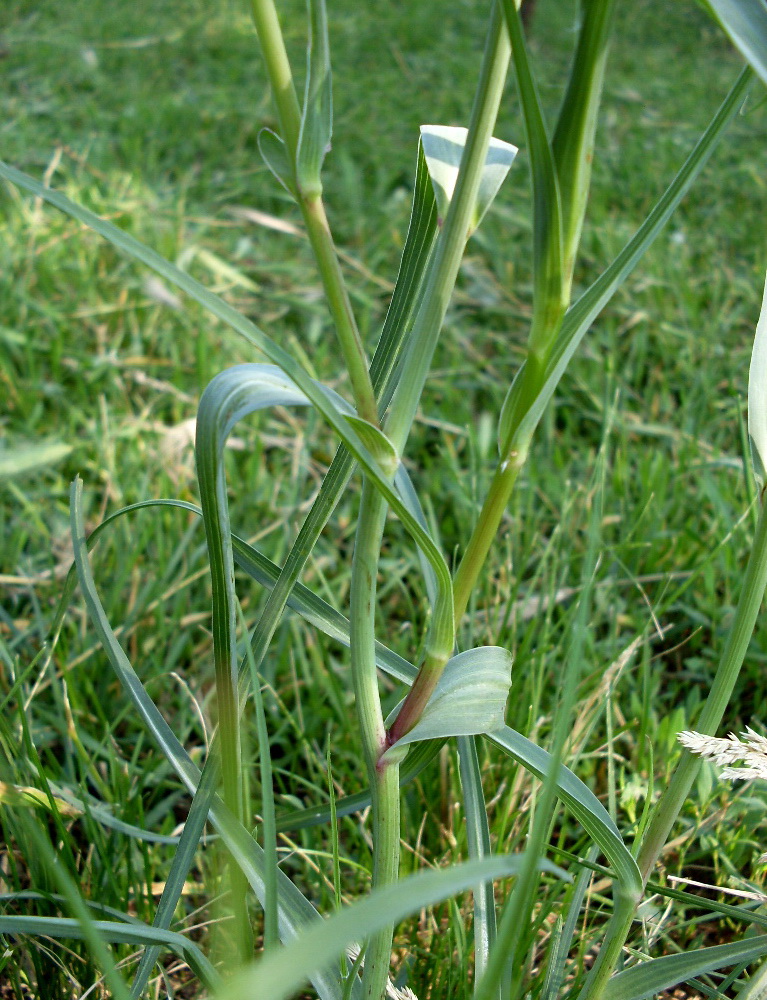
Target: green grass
point(148, 114)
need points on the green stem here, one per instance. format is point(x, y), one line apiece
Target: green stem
point(384, 779)
point(672, 800)
point(313, 209)
point(484, 533)
point(321, 240)
point(452, 239)
point(279, 72)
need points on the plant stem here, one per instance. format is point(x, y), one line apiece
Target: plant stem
point(313, 209)
point(321, 240)
point(484, 532)
point(672, 800)
point(279, 72)
point(452, 239)
point(384, 779)
point(439, 288)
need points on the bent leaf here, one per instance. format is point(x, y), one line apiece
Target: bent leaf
point(443, 149)
point(745, 22)
point(757, 397)
point(469, 699)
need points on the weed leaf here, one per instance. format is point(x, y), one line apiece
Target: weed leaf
point(745, 22)
point(469, 699)
point(275, 155)
point(659, 974)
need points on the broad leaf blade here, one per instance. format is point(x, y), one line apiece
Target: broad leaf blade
point(443, 149)
point(469, 699)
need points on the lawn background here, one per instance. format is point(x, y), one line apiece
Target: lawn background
point(149, 115)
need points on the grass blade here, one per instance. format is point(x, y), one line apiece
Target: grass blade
point(573, 142)
point(280, 975)
point(317, 115)
point(650, 978)
point(582, 314)
point(116, 933)
point(295, 911)
point(745, 22)
point(549, 286)
point(478, 837)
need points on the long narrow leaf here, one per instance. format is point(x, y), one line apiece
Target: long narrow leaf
point(549, 287)
point(478, 838)
point(295, 911)
point(442, 618)
point(280, 975)
point(116, 933)
point(317, 115)
point(650, 978)
point(582, 314)
point(745, 22)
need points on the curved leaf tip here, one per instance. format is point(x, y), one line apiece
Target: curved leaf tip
point(757, 397)
point(443, 149)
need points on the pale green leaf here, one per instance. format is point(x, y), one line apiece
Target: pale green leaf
point(280, 975)
point(26, 458)
point(317, 115)
point(745, 22)
point(443, 148)
point(757, 397)
point(275, 155)
point(659, 974)
point(376, 442)
point(470, 698)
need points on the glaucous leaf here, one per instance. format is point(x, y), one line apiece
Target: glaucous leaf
point(275, 155)
point(757, 397)
point(469, 699)
point(745, 22)
point(443, 148)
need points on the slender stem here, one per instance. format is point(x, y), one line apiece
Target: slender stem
point(452, 239)
point(321, 240)
point(672, 800)
point(484, 533)
point(384, 779)
point(313, 210)
point(279, 72)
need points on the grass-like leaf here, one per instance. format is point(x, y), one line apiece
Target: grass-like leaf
point(294, 910)
point(582, 314)
point(317, 115)
point(116, 933)
point(280, 975)
point(745, 22)
point(650, 978)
